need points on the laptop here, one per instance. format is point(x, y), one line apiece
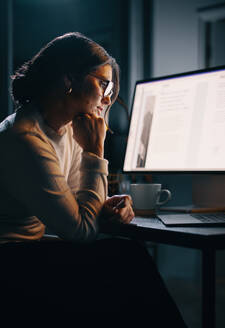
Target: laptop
point(177, 125)
point(193, 219)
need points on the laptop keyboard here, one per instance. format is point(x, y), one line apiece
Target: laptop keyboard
point(212, 217)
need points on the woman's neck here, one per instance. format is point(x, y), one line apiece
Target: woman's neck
point(54, 116)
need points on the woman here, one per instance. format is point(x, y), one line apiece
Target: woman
point(53, 174)
point(60, 94)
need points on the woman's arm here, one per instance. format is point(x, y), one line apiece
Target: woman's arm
point(75, 176)
point(31, 172)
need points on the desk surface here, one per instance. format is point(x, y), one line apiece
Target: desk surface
point(152, 229)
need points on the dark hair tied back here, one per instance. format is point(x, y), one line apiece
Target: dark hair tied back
point(21, 91)
point(72, 55)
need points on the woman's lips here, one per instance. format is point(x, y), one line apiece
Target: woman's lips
point(99, 110)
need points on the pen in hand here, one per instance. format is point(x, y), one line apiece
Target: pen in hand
point(119, 205)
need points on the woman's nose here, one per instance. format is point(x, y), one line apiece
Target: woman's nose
point(106, 100)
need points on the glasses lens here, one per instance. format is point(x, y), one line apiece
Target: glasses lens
point(109, 89)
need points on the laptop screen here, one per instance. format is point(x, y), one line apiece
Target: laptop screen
point(178, 124)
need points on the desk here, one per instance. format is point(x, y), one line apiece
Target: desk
point(206, 239)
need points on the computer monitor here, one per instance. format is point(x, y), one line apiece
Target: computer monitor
point(178, 124)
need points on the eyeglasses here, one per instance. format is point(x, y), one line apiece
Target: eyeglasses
point(106, 85)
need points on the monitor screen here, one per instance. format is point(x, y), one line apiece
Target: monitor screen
point(178, 124)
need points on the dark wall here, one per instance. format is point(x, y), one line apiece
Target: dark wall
point(36, 22)
point(6, 63)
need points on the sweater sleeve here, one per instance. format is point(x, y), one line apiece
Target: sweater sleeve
point(82, 174)
point(32, 174)
point(73, 179)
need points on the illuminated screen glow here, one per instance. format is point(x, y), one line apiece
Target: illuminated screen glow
point(178, 124)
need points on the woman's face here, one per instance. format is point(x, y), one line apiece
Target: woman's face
point(92, 99)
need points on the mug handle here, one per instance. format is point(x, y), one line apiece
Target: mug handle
point(167, 198)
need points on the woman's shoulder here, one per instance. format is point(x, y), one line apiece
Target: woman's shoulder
point(22, 125)
point(23, 119)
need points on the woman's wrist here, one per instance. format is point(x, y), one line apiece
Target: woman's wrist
point(98, 152)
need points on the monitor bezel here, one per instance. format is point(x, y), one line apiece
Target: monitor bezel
point(165, 77)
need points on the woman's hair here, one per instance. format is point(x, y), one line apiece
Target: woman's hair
point(72, 55)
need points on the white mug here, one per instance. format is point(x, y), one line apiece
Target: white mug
point(146, 196)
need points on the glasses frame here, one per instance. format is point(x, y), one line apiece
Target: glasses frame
point(108, 90)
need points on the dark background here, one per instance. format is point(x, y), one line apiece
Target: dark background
point(149, 38)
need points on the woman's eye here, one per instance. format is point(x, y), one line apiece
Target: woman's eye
point(103, 84)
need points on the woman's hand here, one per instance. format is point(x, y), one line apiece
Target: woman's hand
point(117, 208)
point(89, 131)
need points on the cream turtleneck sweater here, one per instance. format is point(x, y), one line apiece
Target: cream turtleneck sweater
point(46, 180)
